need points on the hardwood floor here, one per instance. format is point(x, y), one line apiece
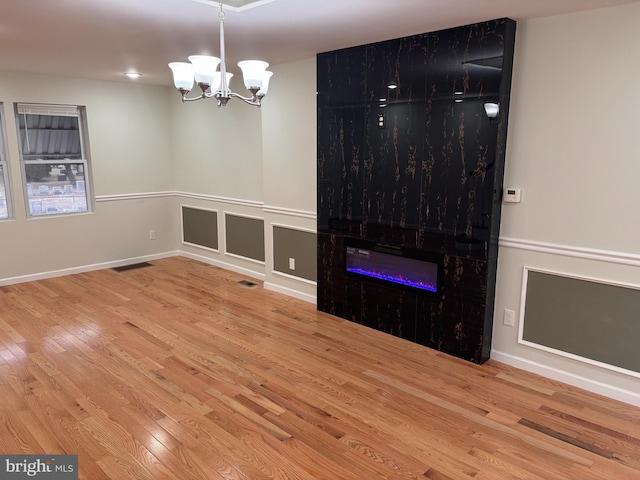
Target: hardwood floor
point(175, 371)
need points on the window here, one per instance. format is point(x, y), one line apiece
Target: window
point(54, 158)
point(5, 208)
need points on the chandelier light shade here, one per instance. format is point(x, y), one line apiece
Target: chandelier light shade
point(217, 80)
point(203, 70)
point(253, 72)
point(265, 83)
point(182, 75)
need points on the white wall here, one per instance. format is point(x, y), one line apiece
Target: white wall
point(572, 149)
point(217, 151)
point(130, 148)
point(254, 162)
point(217, 154)
point(289, 126)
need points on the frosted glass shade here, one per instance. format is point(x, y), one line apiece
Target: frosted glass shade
point(266, 76)
point(253, 72)
point(215, 86)
point(182, 75)
point(204, 68)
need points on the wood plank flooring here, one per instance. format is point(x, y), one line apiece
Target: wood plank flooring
point(176, 371)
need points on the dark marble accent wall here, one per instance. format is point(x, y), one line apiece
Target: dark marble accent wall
point(430, 179)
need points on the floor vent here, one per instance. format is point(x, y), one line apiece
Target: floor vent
point(247, 283)
point(132, 266)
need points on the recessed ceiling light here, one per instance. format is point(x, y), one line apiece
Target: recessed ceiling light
point(133, 74)
point(393, 86)
point(458, 93)
point(382, 99)
point(458, 100)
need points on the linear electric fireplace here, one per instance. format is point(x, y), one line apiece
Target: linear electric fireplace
point(394, 266)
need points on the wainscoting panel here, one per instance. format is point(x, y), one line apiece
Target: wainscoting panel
point(582, 317)
point(200, 227)
point(245, 236)
point(300, 245)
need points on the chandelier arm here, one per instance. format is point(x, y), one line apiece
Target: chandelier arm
point(193, 99)
point(254, 100)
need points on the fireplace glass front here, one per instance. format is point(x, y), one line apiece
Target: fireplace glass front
point(393, 266)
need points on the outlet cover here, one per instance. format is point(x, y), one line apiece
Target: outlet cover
point(509, 317)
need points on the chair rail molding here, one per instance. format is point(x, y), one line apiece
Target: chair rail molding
point(609, 256)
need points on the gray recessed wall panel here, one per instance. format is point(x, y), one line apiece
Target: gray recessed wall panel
point(585, 318)
point(245, 236)
point(296, 244)
point(200, 227)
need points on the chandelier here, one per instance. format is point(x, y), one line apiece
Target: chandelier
point(215, 84)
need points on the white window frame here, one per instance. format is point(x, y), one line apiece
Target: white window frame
point(32, 200)
point(4, 166)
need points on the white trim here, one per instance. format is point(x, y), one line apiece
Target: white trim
point(85, 268)
point(294, 277)
point(609, 256)
point(555, 351)
point(223, 265)
point(290, 292)
point(627, 396)
point(243, 215)
point(224, 235)
point(581, 277)
point(193, 196)
point(241, 257)
point(214, 198)
point(4, 166)
point(290, 212)
point(285, 274)
point(132, 196)
point(523, 299)
point(209, 249)
point(210, 198)
point(195, 245)
point(292, 227)
point(578, 358)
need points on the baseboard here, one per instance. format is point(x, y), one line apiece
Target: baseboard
point(84, 268)
point(593, 386)
point(227, 266)
point(146, 258)
point(252, 274)
point(290, 292)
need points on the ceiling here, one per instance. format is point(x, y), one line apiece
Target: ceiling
point(102, 39)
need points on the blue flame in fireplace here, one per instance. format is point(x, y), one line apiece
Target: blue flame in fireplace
point(393, 268)
point(395, 279)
